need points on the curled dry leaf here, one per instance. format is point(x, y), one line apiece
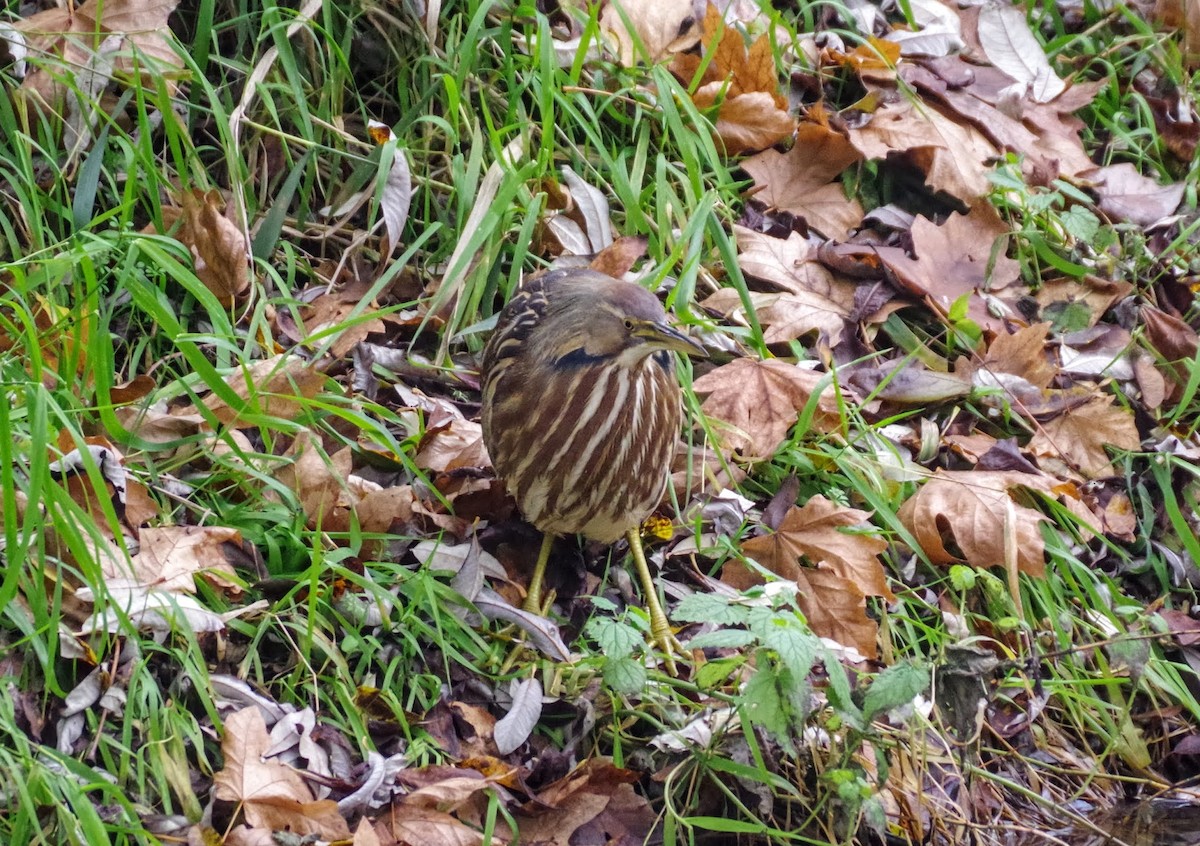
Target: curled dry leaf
point(1010, 45)
point(318, 481)
point(217, 246)
point(908, 383)
point(970, 510)
point(938, 32)
point(618, 258)
point(1126, 194)
point(651, 30)
point(396, 197)
point(594, 803)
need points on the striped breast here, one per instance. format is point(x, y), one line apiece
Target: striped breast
point(584, 443)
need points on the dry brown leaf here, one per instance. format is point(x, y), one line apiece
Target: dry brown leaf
point(63, 34)
point(836, 608)
point(319, 481)
point(784, 316)
point(327, 316)
point(952, 155)
point(594, 803)
point(278, 387)
point(752, 114)
point(1047, 136)
point(1079, 436)
point(453, 445)
point(875, 59)
point(801, 181)
point(379, 511)
point(1183, 15)
point(271, 796)
point(814, 531)
point(660, 28)
point(366, 835)
point(172, 557)
point(413, 824)
point(1022, 353)
point(908, 383)
point(790, 264)
point(618, 258)
point(747, 122)
point(1080, 302)
point(218, 247)
point(1169, 336)
point(759, 401)
point(952, 260)
point(970, 509)
point(1126, 194)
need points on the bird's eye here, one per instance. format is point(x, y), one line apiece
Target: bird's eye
point(629, 324)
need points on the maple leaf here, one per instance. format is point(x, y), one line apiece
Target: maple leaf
point(1079, 436)
point(951, 155)
point(759, 402)
point(801, 181)
point(271, 796)
point(975, 510)
point(836, 608)
point(953, 259)
point(832, 594)
point(814, 531)
point(785, 316)
point(743, 85)
point(790, 264)
point(650, 30)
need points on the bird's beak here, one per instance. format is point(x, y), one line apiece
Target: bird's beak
point(669, 338)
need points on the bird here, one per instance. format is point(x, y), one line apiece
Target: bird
point(581, 412)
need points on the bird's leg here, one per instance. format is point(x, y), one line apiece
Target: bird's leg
point(533, 596)
point(660, 629)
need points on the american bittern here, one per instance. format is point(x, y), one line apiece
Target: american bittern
point(581, 413)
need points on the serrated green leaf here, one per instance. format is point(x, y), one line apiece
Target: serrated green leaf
point(722, 639)
point(1081, 223)
point(839, 693)
point(625, 676)
point(797, 648)
point(762, 703)
point(616, 640)
point(893, 687)
point(707, 608)
point(713, 673)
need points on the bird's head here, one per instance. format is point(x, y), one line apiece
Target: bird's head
point(591, 316)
